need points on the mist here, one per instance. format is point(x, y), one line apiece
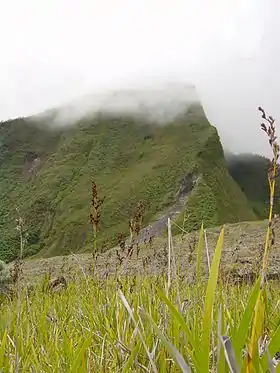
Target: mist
point(115, 55)
point(158, 102)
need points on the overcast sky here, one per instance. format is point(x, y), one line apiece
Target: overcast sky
point(53, 51)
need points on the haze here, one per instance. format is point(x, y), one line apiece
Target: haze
point(55, 51)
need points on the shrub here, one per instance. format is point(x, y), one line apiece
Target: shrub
point(4, 273)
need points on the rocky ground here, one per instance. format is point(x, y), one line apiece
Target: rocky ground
point(242, 253)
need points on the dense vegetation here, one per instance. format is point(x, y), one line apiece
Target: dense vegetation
point(47, 175)
point(250, 172)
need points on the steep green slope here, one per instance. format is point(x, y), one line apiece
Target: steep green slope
point(47, 175)
point(217, 198)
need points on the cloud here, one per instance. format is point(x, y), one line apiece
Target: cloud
point(53, 52)
point(157, 101)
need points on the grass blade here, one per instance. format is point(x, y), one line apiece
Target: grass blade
point(130, 363)
point(274, 344)
point(220, 353)
point(179, 318)
point(256, 332)
point(230, 355)
point(209, 301)
point(194, 347)
point(273, 348)
point(80, 356)
point(130, 312)
point(272, 368)
point(199, 253)
point(169, 346)
point(239, 339)
point(2, 348)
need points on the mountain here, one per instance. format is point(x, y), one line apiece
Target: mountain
point(46, 172)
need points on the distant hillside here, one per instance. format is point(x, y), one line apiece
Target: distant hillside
point(250, 172)
point(47, 174)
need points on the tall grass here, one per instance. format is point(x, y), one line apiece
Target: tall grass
point(149, 323)
point(87, 327)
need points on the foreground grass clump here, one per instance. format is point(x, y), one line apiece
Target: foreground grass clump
point(86, 328)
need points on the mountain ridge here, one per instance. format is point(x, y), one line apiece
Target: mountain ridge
point(46, 172)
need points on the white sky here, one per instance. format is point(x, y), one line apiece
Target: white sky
point(55, 50)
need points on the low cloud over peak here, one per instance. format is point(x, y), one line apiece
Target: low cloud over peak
point(159, 102)
point(229, 50)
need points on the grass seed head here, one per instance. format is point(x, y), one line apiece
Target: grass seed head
point(96, 204)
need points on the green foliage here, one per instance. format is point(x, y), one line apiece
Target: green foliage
point(217, 198)
point(60, 332)
point(10, 246)
point(135, 326)
point(47, 173)
point(209, 303)
point(4, 273)
point(250, 172)
point(201, 206)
